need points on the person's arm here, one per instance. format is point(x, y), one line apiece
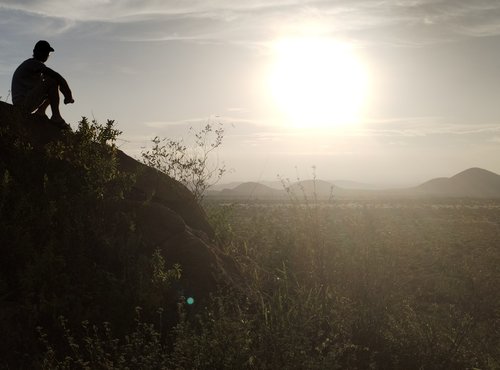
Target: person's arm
point(63, 85)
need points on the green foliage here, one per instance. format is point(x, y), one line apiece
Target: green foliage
point(318, 285)
point(371, 286)
point(381, 294)
point(66, 247)
point(410, 286)
point(220, 220)
point(91, 153)
point(162, 276)
point(353, 285)
point(97, 348)
point(191, 164)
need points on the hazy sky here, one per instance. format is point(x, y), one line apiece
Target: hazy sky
point(424, 89)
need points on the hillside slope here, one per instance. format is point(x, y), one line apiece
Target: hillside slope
point(89, 233)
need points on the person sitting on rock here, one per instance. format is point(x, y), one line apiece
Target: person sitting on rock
point(35, 86)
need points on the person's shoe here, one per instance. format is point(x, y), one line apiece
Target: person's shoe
point(41, 115)
point(60, 122)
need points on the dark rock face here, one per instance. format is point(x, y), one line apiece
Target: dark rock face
point(167, 215)
point(150, 184)
point(158, 188)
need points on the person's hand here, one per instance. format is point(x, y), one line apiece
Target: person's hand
point(68, 100)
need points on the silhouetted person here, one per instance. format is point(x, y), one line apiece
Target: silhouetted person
point(35, 86)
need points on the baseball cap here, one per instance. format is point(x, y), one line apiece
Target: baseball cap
point(43, 45)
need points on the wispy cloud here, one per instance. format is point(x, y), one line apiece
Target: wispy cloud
point(425, 126)
point(214, 120)
point(184, 123)
point(417, 21)
point(403, 127)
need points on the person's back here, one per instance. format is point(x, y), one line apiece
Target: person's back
point(35, 86)
point(26, 77)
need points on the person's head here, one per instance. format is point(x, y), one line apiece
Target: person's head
point(42, 50)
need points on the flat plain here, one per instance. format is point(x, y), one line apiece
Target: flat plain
point(385, 283)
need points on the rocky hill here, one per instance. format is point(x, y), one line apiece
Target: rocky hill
point(89, 233)
point(248, 191)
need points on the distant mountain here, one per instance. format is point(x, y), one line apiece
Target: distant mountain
point(273, 184)
point(253, 188)
point(473, 183)
point(344, 184)
point(229, 185)
point(248, 190)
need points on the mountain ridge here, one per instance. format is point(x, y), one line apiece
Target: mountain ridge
point(473, 182)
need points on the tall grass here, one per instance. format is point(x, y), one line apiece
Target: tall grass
point(323, 287)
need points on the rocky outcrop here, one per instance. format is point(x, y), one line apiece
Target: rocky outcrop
point(166, 213)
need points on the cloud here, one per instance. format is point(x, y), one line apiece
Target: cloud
point(227, 121)
point(27, 23)
point(425, 126)
point(470, 18)
point(402, 127)
point(126, 10)
point(394, 22)
point(164, 124)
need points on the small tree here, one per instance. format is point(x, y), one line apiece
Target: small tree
point(191, 164)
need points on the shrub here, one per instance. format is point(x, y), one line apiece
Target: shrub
point(65, 250)
point(191, 164)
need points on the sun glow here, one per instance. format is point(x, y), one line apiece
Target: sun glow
point(317, 83)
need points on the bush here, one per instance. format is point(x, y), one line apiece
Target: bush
point(65, 249)
point(191, 164)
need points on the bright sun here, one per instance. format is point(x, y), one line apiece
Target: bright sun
point(317, 82)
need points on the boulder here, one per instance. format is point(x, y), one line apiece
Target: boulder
point(166, 213)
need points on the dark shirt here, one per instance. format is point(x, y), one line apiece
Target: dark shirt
point(26, 77)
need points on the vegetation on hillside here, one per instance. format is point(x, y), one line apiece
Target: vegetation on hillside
point(190, 163)
point(321, 286)
point(65, 250)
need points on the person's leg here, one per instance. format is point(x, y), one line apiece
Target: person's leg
point(52, 89)
point(36, 99)
point(42, 108)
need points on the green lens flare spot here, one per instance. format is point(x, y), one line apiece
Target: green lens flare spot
point(190, 301)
